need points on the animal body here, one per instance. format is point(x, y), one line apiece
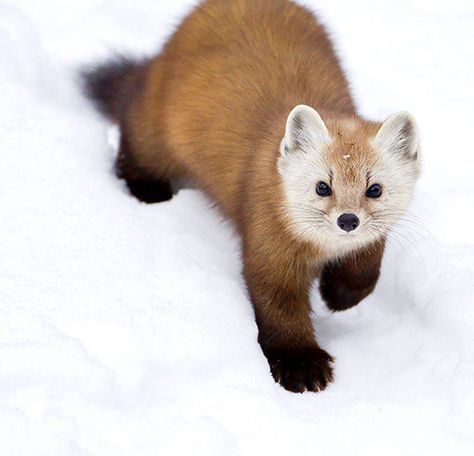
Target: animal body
point(248, 100)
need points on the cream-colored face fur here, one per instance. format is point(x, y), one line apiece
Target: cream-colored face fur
point(350, 156)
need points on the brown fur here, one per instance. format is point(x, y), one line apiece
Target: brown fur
point(212, 108)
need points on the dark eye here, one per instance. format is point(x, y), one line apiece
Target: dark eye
point(375, 191)
point(323, 189)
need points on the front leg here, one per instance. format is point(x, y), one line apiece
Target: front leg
point(346, 282)
point(286, 333)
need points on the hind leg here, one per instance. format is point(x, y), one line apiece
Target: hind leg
point(144, 183)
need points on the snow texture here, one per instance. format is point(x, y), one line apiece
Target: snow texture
point(125, 329)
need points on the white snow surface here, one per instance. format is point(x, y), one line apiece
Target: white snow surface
point(126, 330)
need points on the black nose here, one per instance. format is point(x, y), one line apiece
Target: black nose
point(348, 222)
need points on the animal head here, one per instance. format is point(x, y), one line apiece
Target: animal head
point(347, 181)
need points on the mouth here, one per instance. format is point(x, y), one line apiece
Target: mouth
point(359, 234)
point(343, 236)
point(348, 237)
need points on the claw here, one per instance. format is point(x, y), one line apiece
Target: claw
point(300, 370)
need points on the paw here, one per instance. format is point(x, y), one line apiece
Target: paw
point(342, 303)
point(150, 191)
point(341, 290)
point(339, 297)
point(298, 370)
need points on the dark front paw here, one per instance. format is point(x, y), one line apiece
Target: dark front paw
point(298, 370)
point(341, 290)
point(339, 297)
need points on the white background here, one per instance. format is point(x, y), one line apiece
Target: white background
point(125, 329)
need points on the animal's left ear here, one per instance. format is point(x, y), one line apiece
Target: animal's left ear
point(400, 134)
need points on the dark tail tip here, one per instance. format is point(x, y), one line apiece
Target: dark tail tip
point(114, 84)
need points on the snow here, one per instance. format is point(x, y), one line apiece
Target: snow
point(126, 329)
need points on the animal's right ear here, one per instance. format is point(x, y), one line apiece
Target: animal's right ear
point(304, 128)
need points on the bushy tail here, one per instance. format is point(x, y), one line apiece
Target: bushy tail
point(114, 84)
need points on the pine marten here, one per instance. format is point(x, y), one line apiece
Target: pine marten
point(248, 100)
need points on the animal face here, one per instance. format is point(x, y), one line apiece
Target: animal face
point(346, 183)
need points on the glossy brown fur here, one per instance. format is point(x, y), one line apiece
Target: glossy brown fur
point(212, 108)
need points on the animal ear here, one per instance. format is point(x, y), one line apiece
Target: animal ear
point(400, 134)
point(304, 127)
